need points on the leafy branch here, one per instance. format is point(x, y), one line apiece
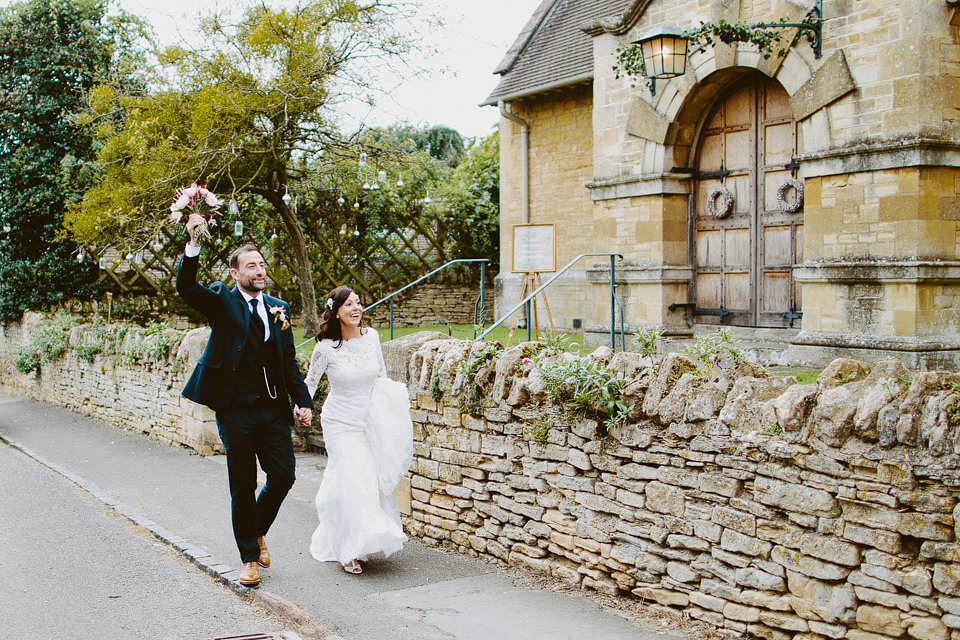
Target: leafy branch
point(767, 38)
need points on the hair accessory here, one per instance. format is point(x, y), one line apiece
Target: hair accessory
point(329, 303)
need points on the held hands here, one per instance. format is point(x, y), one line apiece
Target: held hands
point(194, 221)
point(304, 416)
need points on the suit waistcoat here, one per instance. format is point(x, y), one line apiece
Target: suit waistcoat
point(259, 366)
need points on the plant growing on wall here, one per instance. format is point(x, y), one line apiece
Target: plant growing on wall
point(647, 340)
point(472, 399)
point(48, 342)
point(586, 386)
point(153, 343)
point(717, 350)
point(768, 38)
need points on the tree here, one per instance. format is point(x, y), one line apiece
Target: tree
point(251, 115)
point(440, 142)
point(473, 202)
point(51, 53)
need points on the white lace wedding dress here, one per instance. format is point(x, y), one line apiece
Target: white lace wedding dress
point(356, 518)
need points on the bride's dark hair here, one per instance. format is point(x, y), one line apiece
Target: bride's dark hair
point(329, 323)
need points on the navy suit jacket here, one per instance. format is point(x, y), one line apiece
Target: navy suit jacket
point(213, 381)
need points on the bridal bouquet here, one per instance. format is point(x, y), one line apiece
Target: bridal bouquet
point(196, 199)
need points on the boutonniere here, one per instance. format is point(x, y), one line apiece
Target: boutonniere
point(279, 316)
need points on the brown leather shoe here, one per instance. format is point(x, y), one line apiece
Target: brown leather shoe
point(264, 559)
point(249, 575)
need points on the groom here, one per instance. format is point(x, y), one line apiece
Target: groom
point(247, 375)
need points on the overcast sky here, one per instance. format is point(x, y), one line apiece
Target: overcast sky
point(477, 35)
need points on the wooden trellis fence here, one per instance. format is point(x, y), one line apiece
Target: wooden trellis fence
point(373, 263)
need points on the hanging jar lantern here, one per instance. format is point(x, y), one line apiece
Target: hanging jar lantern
point(238, 228)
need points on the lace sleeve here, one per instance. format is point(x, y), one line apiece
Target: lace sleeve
point(318, 364)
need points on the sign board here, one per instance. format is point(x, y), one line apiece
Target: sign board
point(534, 248)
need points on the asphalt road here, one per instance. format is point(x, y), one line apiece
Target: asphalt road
point(73, 568)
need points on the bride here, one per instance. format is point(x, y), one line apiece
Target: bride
point(358, 514)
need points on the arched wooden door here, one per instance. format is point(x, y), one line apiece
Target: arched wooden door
point(744, 258)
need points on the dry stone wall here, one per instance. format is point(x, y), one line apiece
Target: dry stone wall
point(142, 395)
point(764, 507)
point(429, 304)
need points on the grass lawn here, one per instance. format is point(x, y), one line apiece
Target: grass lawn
point(803, 376)
point(459, 331)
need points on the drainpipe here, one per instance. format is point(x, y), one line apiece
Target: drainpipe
point(524, 152)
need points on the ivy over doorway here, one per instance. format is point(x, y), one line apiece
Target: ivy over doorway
point(768, 38)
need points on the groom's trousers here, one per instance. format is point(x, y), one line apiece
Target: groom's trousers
point(258, 431)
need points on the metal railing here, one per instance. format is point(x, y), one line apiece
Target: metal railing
point(478, 304)
point(614, 301)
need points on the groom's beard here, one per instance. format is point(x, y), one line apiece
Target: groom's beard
point(251, 284)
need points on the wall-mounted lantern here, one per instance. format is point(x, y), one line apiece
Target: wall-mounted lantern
point(664, 52)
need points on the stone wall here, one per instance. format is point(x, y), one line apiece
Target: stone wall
point(142, 396)
point(761, 506)
point(435, 305)
point(838, 524)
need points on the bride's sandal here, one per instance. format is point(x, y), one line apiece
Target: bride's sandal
point(353, 567)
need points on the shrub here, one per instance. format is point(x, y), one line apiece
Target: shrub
point(586, 386)
point(717, 350)
point(647, 340)
point(143, 347)
point(48, 342)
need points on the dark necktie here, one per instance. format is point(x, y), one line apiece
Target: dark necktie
point(255, 319)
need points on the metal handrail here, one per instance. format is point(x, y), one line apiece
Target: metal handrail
point(483, 268)
point(480, 300)
point(614, 300)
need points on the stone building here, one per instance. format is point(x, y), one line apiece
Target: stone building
point(842, 235)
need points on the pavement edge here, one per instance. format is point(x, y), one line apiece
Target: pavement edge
point(292, 615)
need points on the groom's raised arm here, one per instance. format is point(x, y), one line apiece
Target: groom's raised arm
point(193, 293)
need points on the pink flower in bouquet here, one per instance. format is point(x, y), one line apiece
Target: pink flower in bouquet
point(195, 199)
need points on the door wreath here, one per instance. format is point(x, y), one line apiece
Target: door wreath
point(724, 209)
point(797, 204)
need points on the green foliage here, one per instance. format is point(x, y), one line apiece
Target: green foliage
point(647, 340)
point(252, 115)
point(540, 430)
point(472, 400)
point(585, 386)
point(473, 203)
point(152, 344)
point(51, 53)
point(48, 342)
point(629, 62)
point(478, 360)
point(716, 350)
point(555, 343)
point(435, 391)
point(97, 339)
point(772, 430)
point(439, 142)
point(952, 408)
point(769, 41)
